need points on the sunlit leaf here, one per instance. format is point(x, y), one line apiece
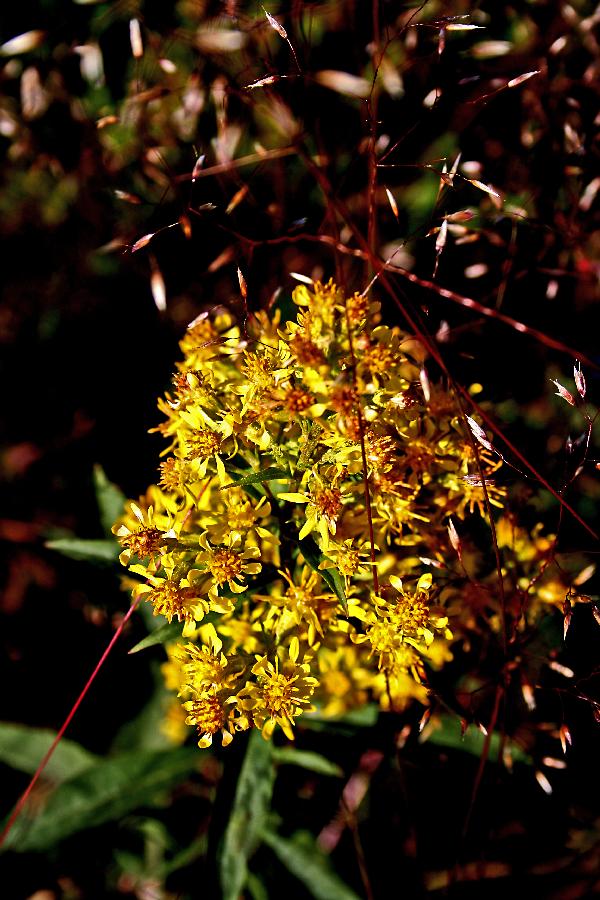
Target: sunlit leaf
point(306, 759)
point(170, 631)
point(105, 792)
point(248, 815)
point(110, 499)
point(80, 548)
point(23, 748)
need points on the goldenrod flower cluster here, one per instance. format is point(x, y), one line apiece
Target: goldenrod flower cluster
point(310, 475)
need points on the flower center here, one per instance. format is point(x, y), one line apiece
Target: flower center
point(225, 565)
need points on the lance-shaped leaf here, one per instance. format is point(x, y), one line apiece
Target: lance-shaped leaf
point(331, 577)
point(273, 473)
point(302, 858)
point(104, 792)
point(110, 499)
point(306, 759)
point(23, 748)
point(248, 815)
point(79, 548)
point(170, 631)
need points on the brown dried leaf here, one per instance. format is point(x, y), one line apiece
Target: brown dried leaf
point(440, 241)
point(23, 43)
point(425, 385)
point(344, 83)
point(553, 763)
point(275, 25)
point(263, 82)
point(565, 737)
point(135, 38)
point(563, 392)
point(221, 260)
point(543, 782)
point(487, 49)
point(393, 204)
point(486, 188)
point(237, 198)
point(186, 226)
point(462, 215)
point(34, 97)
point(454, 538)
point(424, 719)
point(579, 380)
point(142, 242)
point(220, 40)
point(126, 197)
point(157, 285)
point(243, 285)
point(197, 166)
point(565, 671)
point(514, 82)
point(456, 26)
point(106, 120)
point(528, 694)
point(585, 575)
point(305, 279)
point(589, 194)
point(479, 434)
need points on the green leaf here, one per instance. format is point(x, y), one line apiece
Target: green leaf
point(80, 548)
point(248, 816)
point(23, 748)
point(448, 734)
point(111, 501)
point(106, 792)
point(188, 855)
point(302, 858)
point(170, 631)
point(256, 888)
point(273, 473)
point(331, 577)
point(306, 759)
point(363, 717)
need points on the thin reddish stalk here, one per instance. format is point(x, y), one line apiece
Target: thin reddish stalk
point(24, 796)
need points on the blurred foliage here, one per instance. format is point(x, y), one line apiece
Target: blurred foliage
point(103, 123)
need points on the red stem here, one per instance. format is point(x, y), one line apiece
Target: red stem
point(24, 796)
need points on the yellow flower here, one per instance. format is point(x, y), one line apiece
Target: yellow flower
point(143, 534)
point(227, 564)
point(173, 598)
point(324, 504)
point(282, 692)
point(213, 712)
point(301, 604)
